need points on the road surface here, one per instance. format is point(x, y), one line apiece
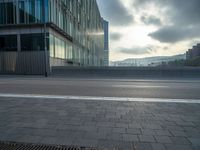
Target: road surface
point(134, 88)
point(166, 124)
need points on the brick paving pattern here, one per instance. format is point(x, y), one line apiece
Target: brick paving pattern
point(103, 124)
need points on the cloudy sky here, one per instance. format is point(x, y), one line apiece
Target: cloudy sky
point(143, 28)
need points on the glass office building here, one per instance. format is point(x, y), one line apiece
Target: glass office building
point(106, 42)
point(71, 30)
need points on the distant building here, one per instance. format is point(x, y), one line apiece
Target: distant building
point(106, 42)
point(193, 53)
point(66, 32)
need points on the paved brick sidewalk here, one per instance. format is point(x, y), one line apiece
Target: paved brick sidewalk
point(104, 124)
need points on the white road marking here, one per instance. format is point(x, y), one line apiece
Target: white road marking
point(97, 98)
point(140, 86)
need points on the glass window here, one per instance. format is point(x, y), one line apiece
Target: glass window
point(32, 42)
point(31, 11)
point(56, 48)
point(8, 42)
point(7, 13)
point(9, 8)
point(38, 10)
point(21, 12)
point(52, 47)
point(2, 13)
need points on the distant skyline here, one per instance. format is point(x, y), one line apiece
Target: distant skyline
point(145, 28)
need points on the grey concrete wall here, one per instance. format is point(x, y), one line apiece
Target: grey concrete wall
point(126, 72)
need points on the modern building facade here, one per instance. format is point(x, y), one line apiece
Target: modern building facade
point(54, 32)
point(193, 53)
point(106, 42)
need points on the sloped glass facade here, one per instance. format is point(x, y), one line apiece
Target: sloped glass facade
point(74, 28)
point(22, 11)
point(106, 43)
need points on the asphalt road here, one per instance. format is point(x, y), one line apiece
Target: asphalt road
point(135, 88)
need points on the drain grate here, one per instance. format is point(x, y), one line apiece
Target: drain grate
point(27, 146)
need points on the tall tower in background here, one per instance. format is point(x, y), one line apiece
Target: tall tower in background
point(106, 42)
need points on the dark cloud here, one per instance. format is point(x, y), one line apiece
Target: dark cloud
point(179, 11)
point(151, 20)
point(184, 17)
point(115, 12)
point(185, 12)
point(173, 34)
point(115, 36)
point(136, 50)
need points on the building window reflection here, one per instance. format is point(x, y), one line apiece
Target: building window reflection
point(8, 42)
point(32, 42)
point(74, 27)
point(7, 13)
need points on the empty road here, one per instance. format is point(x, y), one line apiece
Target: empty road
point(168, 118)
point(134, 88)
